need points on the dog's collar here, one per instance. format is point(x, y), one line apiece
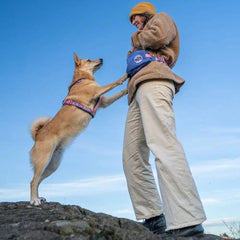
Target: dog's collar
point(78, 81)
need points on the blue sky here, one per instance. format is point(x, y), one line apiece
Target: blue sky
point(38, 39)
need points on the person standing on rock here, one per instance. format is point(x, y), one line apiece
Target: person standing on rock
point(150, 126)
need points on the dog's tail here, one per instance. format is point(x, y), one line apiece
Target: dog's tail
point(37, 125)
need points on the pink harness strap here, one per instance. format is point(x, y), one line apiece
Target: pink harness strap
point(92, 112)
point(78, 81)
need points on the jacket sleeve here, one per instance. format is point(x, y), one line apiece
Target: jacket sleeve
point(158, 33)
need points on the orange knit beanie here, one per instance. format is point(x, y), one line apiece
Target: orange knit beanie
point(142, 7)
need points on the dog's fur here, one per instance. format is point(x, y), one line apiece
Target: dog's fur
point(52, 135)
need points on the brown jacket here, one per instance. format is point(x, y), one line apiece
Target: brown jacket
point(160, 37)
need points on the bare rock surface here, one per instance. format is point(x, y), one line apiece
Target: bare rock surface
point(53, 221)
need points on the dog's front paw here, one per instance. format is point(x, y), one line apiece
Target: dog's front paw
point(37, 201)
point(123, 78)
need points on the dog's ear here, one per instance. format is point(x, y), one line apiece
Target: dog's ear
point(77, 59)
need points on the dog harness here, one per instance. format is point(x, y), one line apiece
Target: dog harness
point(92, 112)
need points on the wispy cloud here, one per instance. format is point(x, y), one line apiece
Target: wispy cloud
point(212, 139)
point(222, 220)
point(124, 211)
point(211, 201)
point(89, 186)
point(221, 130)
point(217, 166)
point(221, 225)
point(14, 194)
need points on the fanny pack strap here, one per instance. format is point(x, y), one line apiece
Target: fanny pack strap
point(158, 59)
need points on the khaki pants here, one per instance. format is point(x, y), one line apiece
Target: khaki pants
point(150, 126)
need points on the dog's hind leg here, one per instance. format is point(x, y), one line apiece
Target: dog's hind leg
point(41, 155)
point(53, 163)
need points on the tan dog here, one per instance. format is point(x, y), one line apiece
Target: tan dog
point(52, 135)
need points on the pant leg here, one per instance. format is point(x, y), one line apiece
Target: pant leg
point(141, 183)
point(181, 202)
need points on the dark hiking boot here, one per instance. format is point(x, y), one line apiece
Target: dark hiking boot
point(186, 232)
point(156, 224)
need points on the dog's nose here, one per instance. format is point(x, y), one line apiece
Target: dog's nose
point(101, 60)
